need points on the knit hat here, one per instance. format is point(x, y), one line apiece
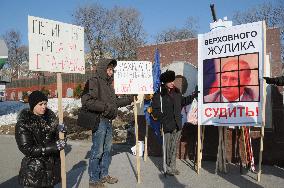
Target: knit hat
point(113, 62)
point(35, 97)
point(168, 76)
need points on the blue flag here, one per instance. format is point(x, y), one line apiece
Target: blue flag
point(154, 124)
point(156, 72)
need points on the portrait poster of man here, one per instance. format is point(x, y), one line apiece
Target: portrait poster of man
point(231, 79)
point(231, 65)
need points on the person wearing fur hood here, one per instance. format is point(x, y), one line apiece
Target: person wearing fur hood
point(36, 134)
point(171, 101)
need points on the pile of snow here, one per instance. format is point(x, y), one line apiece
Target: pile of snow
point(68, 104)
point(10, 109)
point(125, 109)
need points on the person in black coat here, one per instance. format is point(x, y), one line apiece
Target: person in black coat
point(36, 134)
point(170, 116)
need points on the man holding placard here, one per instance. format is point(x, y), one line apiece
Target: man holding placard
point(99, 97)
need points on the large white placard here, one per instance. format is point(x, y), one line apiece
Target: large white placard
point(230, 68)
point(133, 77)
point(55, 46)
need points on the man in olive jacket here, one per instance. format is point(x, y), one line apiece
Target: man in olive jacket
point(99, 97)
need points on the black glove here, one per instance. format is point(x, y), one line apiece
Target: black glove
point(269, 80)
point(195, 93)
point(62, 128)
point(54, 147)
point(110, 111)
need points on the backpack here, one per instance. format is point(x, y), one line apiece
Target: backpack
point(86, 118)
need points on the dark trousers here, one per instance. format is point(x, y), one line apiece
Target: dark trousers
point(171, 140)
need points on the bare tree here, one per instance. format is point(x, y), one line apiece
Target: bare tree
point(128, 33)
point(273, 14)
point(110, 32)
point(97, 24)
point(192, 25)
point(17, 53)
point(171, 34)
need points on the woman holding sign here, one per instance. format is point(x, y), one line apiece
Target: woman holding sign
point(36, 135)
point(171, 101)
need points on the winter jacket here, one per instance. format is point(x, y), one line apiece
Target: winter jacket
point(172, 104)
point(36, 138)
point(99, 95)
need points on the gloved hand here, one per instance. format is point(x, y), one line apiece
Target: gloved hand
point(62, 128)
point(269, 80)
point(131, 97)
point(54, 147)
point(195, 93)
point(61, 143)
point(110, 111)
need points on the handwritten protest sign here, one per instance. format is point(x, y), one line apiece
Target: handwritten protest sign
point(133, 77)
point(55, 46)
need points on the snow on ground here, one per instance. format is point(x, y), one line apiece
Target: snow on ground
point(10, 109)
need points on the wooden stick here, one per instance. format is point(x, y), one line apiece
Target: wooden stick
point(265, 60)
point(198, 149)
point(61, 135)
point(146, 143)
point(137, 143)
point(219, 148)
point(202, 141)
point(224, 148)
point(201, 147)
point(244, 142)
point(260, 153)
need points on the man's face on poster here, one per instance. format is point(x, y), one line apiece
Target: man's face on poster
point(231, 77)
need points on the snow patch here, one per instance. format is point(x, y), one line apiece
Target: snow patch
point(10, 109)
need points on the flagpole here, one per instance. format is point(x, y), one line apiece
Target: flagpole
point(157, 88)
point(164, 147)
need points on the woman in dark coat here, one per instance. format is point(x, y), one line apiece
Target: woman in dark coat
point(37, 138)
point(170, 116)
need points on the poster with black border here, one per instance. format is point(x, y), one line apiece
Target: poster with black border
point(230, 63)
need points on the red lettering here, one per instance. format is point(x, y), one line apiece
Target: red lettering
point(241, 110)
point(206, 112)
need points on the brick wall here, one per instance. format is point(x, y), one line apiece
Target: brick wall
point(184, 50)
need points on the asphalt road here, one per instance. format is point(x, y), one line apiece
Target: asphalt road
point(124, 165)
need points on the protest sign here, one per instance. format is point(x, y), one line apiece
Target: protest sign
point(55, 46)
point(230, 62)
point(133, 77)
